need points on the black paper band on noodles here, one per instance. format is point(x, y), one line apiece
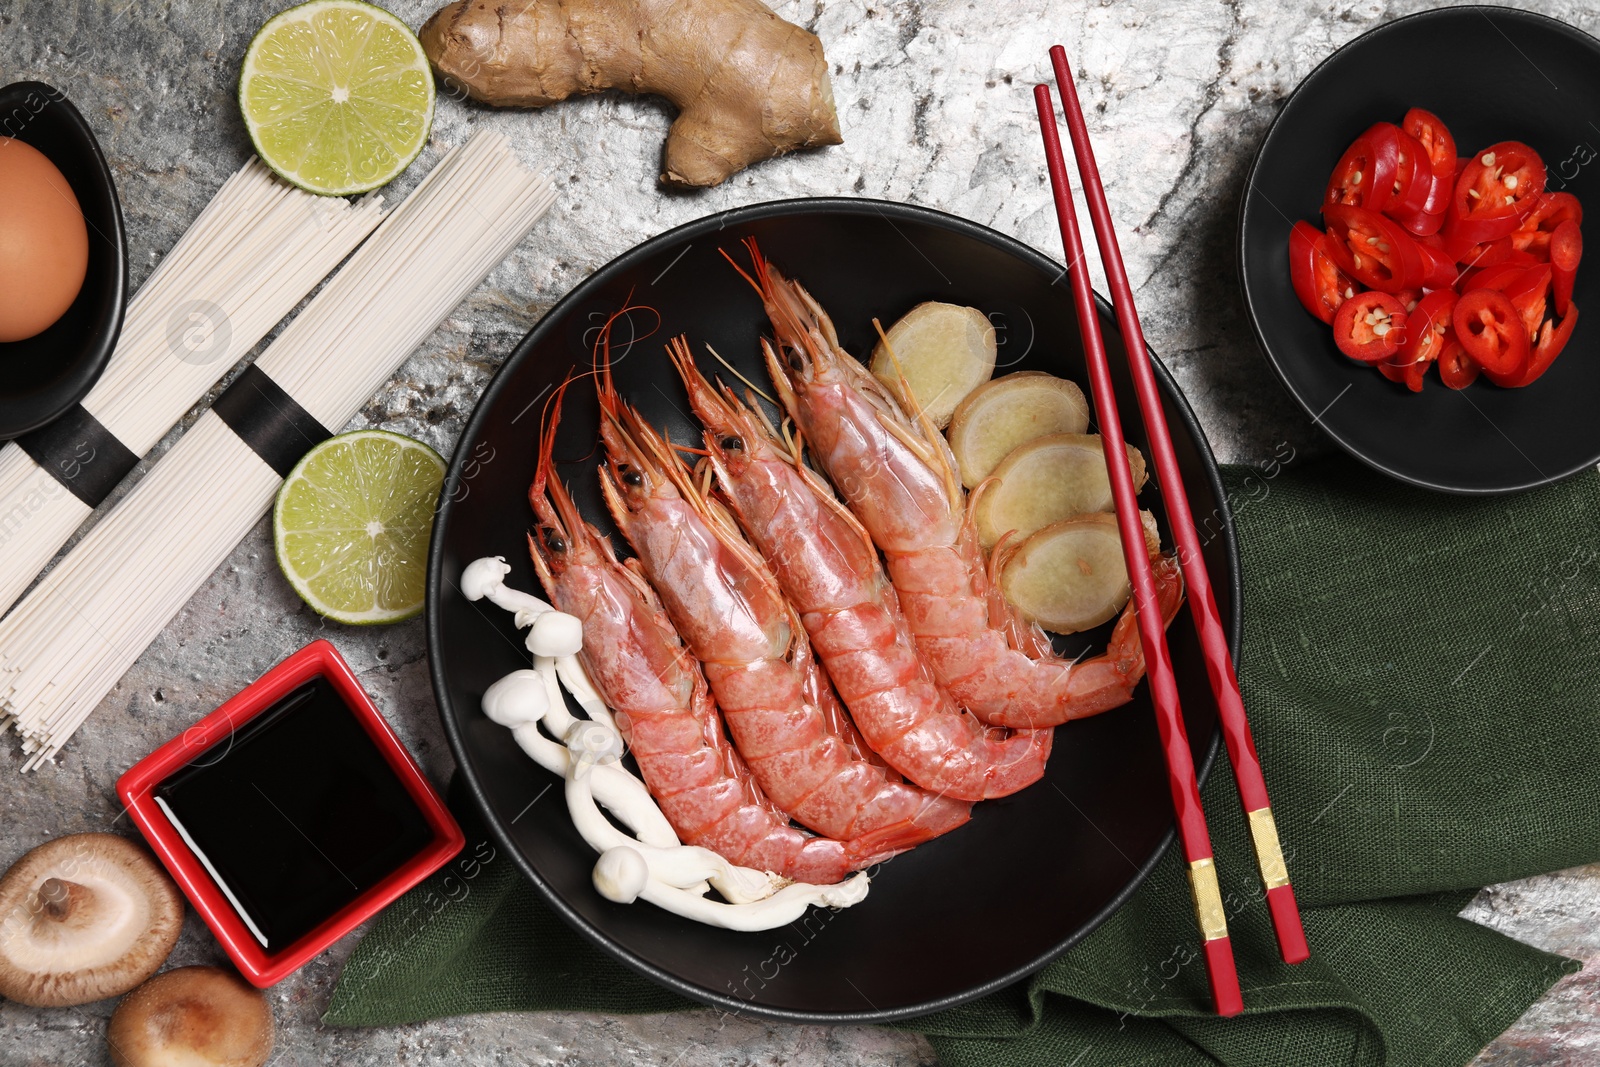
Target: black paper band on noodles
point(81, 454)
point(269, 420)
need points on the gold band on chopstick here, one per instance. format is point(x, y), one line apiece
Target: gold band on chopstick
point(1207, 899)
point(1269, 854)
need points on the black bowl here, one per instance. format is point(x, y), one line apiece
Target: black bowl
point(959, 916)
point(45, 375)
point(1492, 74)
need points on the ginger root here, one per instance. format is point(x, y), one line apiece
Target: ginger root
point(747, 84)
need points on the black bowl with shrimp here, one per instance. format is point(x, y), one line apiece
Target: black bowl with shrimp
point(963, 914)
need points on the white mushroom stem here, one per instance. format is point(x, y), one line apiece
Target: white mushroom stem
point(682, 867)
point(591, 759)
point(622, 874)
point(486, 578)
point(520, 700)
point(560, 720)
point(576, 679)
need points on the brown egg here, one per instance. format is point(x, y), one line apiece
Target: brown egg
point(44, 244)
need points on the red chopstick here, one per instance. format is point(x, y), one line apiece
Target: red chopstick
point(1202, 601)
point(1152, 631)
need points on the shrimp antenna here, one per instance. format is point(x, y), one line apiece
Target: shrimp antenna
point(757, 263)
point(549, 419)
point(756, 410)
point(731, 369)
point(602, 349)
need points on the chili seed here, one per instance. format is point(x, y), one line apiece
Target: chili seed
point(1511, 181)
point(1380, 330)
point(1355, 179)
point(1488, 159)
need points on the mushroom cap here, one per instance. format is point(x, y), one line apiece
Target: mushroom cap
point(555, 633)
point(482, 575)
point(520, 697)
point(620, 874)
point(192, 1017)
point(106, 920)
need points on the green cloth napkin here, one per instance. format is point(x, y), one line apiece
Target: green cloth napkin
point(1421, 673)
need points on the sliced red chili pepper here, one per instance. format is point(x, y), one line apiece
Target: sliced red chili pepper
point(1433, 136)
point(1513, 260)
point(1428, 328)
point(1369, 327)
point(1566, 249)
point(1457, 369)
point(1410, 375)
point(1528, 290)
point(1553, 209)
point(1489, 328)
point(1364, 175)
point(1374, 250)
point(1494, 277)
point(1498, 187)
point(1318, 281)
point(1429, 220)
point(1441, 270)
point(1413, 180)
point(1485, 255)
point(1415, 225)
point(1553, 337)
point(1533, 235)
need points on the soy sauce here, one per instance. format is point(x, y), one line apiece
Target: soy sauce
point(297, 813)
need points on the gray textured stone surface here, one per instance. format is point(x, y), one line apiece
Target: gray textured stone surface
point(934, 104)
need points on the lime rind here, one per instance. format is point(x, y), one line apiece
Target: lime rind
point(337, 96)
point(352, 522)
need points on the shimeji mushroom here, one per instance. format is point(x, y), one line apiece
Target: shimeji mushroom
point(652, 866)
point(82, 918)
point(194, 1016)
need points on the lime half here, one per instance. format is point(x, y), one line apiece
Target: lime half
point(337, 96)
point(352, 523)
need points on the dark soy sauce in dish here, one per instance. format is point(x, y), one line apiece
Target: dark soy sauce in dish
point(297, 814)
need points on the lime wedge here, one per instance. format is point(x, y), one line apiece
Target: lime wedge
point(352, 523)
point(337, 96)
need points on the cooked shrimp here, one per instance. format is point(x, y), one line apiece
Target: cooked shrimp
point(897, 475)
point(830, 571)
point(725, 602)
point(663, 707)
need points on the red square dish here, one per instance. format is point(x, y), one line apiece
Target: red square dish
point(239, 936)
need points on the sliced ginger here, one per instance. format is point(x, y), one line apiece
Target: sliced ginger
point(1009, 411)
point(944, 351)
point(1072, 575)
point(1046, 480)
